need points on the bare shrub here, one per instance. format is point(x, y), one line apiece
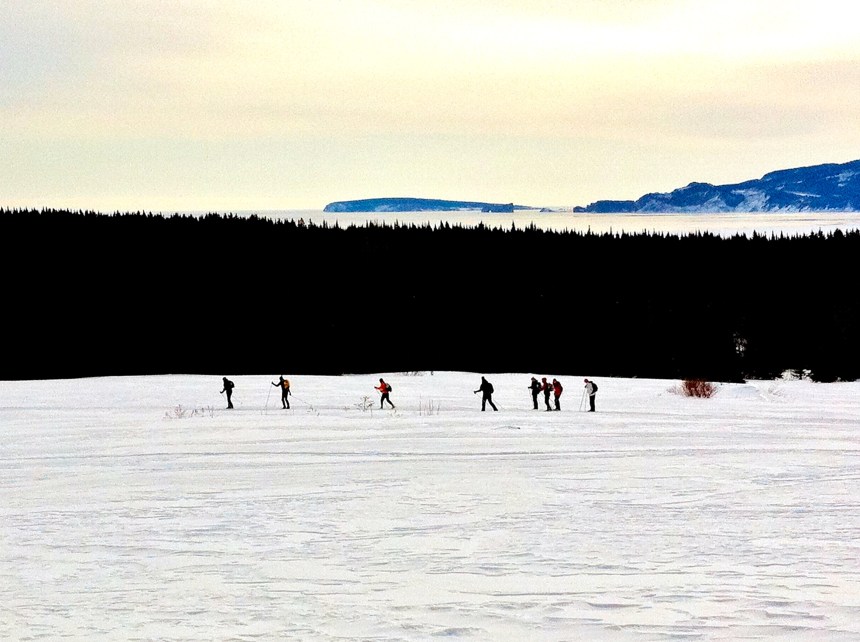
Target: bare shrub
point(179, 412)
point(366, 404)
point(698, 388)
point(429, 407)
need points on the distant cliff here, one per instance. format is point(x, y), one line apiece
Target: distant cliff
point(415, 205)
point(829, 187)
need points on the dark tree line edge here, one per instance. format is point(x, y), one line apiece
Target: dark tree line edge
point(91, 294)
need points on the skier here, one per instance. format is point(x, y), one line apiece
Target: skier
point(486, 388)
point(385, 389)
point(284, 385)
point(534, 386)
point(591, 391)
point(228, 388)
point(556, 389)
point(546, 387)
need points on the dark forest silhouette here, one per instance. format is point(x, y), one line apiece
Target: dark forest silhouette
point(89, 294)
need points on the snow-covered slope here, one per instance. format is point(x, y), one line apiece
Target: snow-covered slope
point(829, 187)
point(139, 508)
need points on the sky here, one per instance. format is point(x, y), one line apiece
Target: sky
point(291, 104)
point(140, 508)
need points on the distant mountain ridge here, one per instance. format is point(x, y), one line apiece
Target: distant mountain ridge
point(404, 204)
point(827, 187)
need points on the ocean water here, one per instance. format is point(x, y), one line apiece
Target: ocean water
point(723, 224)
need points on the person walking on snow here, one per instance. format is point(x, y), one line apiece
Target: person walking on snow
point(284, 385)
point(486, 388)
point(228, 388)
point(534, 386)
point(385, 389)
point(591, 391)
point(556, 390)
point(546, 387)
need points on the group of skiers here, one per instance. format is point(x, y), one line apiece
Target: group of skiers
point(283, 384)
point(486, 389)
point(555, 389)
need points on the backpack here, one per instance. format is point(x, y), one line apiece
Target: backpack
point(593, 386)
point(286, 384)
point(387, 387)
point(490, 388)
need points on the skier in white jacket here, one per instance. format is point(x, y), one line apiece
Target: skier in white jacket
point(591, 391)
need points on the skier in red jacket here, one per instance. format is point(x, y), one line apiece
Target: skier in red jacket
point(385, 389)
point(556, 390)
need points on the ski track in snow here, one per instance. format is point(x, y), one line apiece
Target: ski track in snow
point(139, 509)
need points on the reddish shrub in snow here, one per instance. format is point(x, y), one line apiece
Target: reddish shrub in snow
point(698, 388)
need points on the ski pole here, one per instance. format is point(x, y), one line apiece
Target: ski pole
point(300, 400)
point(582, 400)
point(310, 406)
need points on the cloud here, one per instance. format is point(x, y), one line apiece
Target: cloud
point(403, 84)
point(208, 70)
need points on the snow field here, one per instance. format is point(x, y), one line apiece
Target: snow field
point(138, 508)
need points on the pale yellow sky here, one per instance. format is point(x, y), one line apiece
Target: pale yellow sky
point(290, 104)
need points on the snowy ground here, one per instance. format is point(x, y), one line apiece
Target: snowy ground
point(141, 509)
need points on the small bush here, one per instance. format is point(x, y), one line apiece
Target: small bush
point(428, 407)
point(796, 375)
point(698, 388)
point(366, 404)
point(179, 412)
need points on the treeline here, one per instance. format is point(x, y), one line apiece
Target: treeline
point(90, 294)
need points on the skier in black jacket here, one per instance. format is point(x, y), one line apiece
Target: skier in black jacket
point(534, 386)
point(487, 397)
point(284, 385)
point(228, 388)
point(546, 386)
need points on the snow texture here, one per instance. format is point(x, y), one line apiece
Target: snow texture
point(139, 508)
